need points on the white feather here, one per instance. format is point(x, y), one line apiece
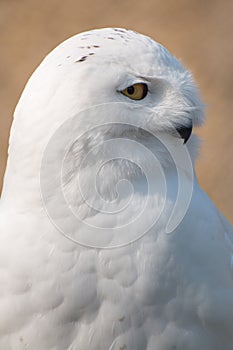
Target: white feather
point(86, 259)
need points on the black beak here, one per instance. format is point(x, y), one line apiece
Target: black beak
point(185, 132)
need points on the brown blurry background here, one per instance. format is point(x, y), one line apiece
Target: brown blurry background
point(197, 32)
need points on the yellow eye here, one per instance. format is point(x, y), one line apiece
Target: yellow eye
point(136, 92)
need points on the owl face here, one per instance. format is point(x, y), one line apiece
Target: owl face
point(117, 66)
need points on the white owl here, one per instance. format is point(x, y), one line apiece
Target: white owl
point(107, 241)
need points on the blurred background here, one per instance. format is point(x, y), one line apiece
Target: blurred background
point(197, 32)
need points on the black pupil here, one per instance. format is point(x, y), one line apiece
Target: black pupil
point(130, 90)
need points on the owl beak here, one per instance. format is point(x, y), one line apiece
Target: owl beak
point(185, 132)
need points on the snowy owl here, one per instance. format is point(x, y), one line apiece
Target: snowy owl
point(107, 240)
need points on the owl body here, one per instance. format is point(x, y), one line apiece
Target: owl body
point(107, 240)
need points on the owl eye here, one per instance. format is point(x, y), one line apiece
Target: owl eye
point(136, 92)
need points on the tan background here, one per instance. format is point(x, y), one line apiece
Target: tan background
point(198, 32)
